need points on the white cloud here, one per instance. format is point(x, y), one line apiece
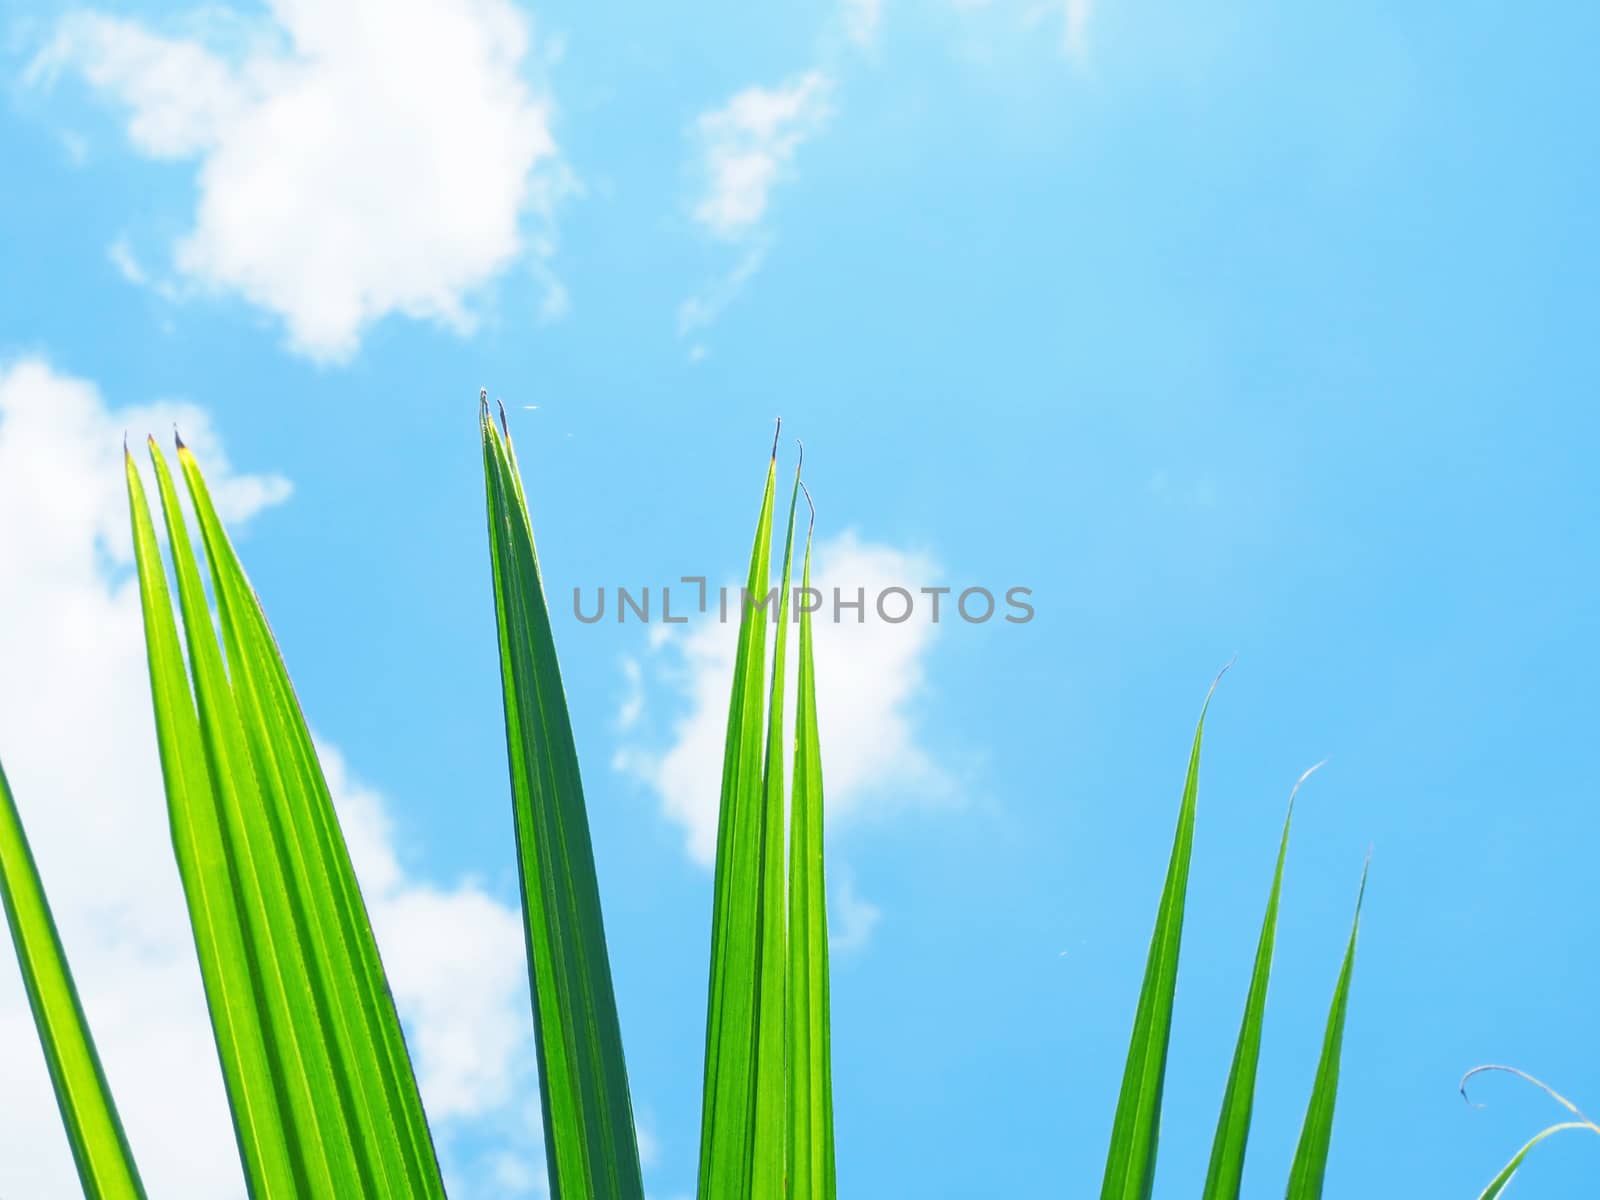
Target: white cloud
point(869, 678)
point(862, 19)
point(852, 918)
point(358, 158)
point(127, 264)
point(745, 149)
point(1073, 16)
point(1076, 41)
point(78, 745)
point(748, 145)
point(703, 308)
point(633, 702)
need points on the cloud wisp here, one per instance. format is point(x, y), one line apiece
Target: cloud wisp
point(743, 151)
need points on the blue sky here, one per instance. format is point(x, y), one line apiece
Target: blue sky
point(1257, 331)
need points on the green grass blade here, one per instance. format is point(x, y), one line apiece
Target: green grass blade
point(1311, 1154)
point(771, 1132)
point(203, 847)
point(1136, 1129)
point(590, 1145)
point(99, 1146)
point(733, 1000)
point(323, 1098)
point(369, 1069)
point(1499, 1182)
point(1226, 1170)
point(810, 1154)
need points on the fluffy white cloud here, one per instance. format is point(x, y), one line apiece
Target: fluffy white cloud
point(869, 676)
point(748, 144)
point(357, 158)
point(78, 744)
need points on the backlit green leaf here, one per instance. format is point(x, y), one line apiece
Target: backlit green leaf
point(590, 1145)
point(734, 1003)
point(1136, 1129)
point(1311, 1155)
point(810, 1143)
point(771, 1123)
point(99, 1147)
point(322, 1093)
point(1499, 1182)
point(1233, 1125)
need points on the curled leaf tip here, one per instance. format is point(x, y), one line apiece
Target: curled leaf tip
point(1462, 1086)
point(776, 431)
point(812, 507)
point(1526, 1078)
point(1212, 691)
point(1305, 775)
point(802, 460)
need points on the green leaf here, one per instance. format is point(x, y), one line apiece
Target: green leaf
point(320, 1085)
point(1499, 1182)
point(810, 1142)
point(590, 1146)
point(1311, 1155)
point(1233, 1125)
point(771, 1107)
point(734, 1001)
point(1135, 1131)
point(99, 1147)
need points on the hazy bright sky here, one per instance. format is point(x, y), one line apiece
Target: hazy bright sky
point(1248, 328)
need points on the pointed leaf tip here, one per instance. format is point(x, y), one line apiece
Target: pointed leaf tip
point(1212, 690)
point(776, 431)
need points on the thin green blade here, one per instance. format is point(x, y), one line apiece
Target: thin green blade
point(1226, 1170)
point(1136, 1129)
point(202, 845)
point(728, 1144)
point(590, 1145)
point(771, 1133)
point(374, 1090)
point(99, 1146)
point(1311, 1154)
point(322, 1095)
point(1499, 1182)
point(810, 1156)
